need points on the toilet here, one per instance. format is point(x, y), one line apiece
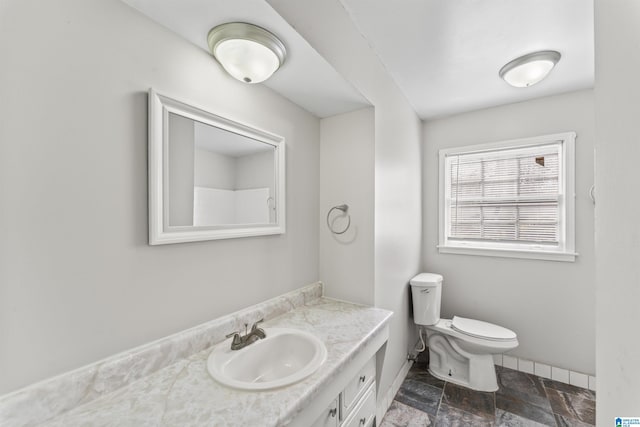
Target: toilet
point(460, 350)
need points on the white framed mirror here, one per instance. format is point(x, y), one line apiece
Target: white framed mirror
point(211, 177)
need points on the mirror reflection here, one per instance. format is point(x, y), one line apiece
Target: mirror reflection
point(211, 177)
point(217, 177)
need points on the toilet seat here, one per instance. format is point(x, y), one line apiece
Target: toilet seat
point(482, 330)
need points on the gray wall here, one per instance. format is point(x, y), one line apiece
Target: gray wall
point(181, 170)
point(550, 305)
point(256, 171)
point(214, 170)
point(78, 280)
point(347, 143)
point(617, 209)
point(397, 191)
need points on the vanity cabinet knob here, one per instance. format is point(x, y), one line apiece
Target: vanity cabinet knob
point(363, 378)
point(333, 412)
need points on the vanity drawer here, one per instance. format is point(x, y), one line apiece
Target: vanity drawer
point(357, 386)
point(365, 412)
point(329, 417)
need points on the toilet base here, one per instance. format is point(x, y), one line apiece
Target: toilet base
point(448, 362)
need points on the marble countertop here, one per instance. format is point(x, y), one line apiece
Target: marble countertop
point(184, 394)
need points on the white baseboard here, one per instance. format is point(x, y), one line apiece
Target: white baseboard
point(566, 376)
point(385, 398)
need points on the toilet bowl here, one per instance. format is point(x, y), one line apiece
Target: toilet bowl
point(460, 349)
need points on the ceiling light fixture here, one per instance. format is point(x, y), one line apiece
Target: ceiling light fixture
point(529, 69)
point(247, 52)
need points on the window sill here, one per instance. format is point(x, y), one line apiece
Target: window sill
point(510, 253)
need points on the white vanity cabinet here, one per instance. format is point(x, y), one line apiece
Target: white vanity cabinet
point(330, 417)
point(364, 412)
point(354, 391)
point(355, 406)
point(348, 399)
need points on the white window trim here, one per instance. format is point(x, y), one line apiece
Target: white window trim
point(566, 249)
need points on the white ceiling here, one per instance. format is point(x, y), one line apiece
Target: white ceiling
point(445, 54)
point(305, 78)
point(227, 143)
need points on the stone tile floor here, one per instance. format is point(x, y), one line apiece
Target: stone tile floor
point(522, 400)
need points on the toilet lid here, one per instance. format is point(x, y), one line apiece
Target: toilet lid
point(479, 329)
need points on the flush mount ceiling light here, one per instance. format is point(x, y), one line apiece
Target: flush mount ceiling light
point(529, 69)
point(247, 52)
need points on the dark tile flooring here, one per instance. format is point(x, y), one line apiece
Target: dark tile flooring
point(522, 400)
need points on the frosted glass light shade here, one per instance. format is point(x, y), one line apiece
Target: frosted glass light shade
point(247, 52)
point(529, 69)
point(247, 60)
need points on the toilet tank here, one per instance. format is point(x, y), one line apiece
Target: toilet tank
point(426, 291)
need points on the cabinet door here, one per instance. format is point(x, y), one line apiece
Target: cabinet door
point(364, 413)
point(330, 416)
point(356, 387)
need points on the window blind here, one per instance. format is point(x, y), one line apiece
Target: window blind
point(505, 195)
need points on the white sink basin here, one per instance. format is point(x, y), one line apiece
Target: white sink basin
point(284, 357)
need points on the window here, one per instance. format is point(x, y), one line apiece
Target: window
point(511, 198)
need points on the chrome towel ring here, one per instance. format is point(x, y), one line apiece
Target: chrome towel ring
point(345, 210)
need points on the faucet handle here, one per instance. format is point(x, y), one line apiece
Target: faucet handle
point(255, 325)
point(233, 334)
point(236, 342)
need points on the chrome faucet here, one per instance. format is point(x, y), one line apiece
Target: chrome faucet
point(241, 341)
